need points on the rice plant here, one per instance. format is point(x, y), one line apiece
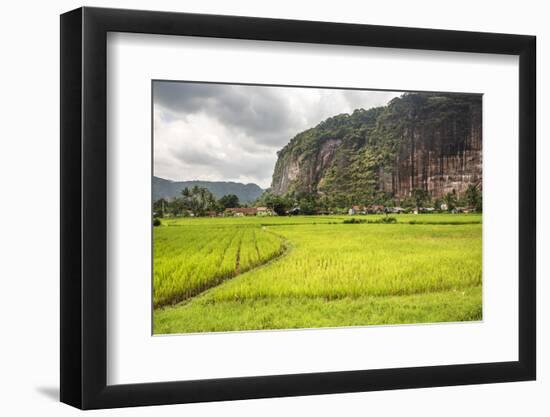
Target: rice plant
point(231, 276)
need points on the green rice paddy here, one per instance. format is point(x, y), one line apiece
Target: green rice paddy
point(256, 273)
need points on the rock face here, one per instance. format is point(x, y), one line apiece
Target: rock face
point(440, 155)
point(425, 141)
point(304, 172)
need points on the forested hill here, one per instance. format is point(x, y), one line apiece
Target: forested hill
point(426, 141)
point(167, 189)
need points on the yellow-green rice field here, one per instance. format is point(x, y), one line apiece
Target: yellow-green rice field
point(253, 273)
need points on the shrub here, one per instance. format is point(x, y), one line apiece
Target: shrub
point(156, 222)
point(385, 220)
point(354, 221)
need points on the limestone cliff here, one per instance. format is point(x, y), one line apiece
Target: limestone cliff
point(427, 141)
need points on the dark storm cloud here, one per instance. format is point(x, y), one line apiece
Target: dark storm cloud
point(259, 111)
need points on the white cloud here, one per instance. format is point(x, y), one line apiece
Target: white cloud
point(223, 132)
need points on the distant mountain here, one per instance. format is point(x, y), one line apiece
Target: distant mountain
point(168, 189)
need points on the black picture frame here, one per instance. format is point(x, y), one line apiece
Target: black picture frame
point(84, 207)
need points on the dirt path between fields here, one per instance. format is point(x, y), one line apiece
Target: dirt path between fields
point(285, 249)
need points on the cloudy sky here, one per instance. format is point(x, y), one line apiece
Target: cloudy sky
point(220, 132)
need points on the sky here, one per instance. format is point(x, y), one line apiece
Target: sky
point(227, 132)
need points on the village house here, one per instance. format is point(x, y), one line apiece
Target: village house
point(460, 210)
point(376, 209)
point(241, 211)
point(355, 209)
point(264, 211)
point(423, 210)
point(398, 210)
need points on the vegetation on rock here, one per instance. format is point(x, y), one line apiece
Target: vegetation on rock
point(414, 148)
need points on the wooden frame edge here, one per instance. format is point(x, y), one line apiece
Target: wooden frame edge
point(83, 208)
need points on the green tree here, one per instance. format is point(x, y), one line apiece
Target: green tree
point(177, 207)
point(474, 197)
point(420, 197)
point(450, 200)
point(230, 200)
point(186, 192)
point(278, 204)
point(308, 205)
point(198, 200)
point(160, 207)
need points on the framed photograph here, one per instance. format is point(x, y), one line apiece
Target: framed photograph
point(257, 208)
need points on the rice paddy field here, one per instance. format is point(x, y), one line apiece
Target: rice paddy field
point(258, 273)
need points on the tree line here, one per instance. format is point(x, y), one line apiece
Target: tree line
point(199, 201)
point(340, 203)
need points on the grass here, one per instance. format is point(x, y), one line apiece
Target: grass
point(227, 273)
